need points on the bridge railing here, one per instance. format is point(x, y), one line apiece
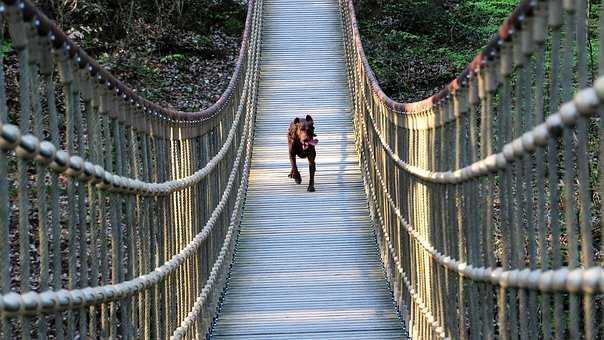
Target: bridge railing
point(117, 216)
point(487, 195)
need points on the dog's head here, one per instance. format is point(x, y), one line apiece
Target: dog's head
point(305, 132)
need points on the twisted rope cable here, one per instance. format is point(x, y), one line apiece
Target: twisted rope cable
point(29, 147)
point(584, 105)
point(21, 304)
point(226, 251)
point(386, 235)
point(579, 280)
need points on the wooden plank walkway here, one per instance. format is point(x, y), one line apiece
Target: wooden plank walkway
point(307, 264)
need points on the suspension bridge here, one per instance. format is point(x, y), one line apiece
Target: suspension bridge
point(472, 214)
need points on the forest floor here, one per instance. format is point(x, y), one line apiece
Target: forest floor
point(182, 70)
point(179, 68)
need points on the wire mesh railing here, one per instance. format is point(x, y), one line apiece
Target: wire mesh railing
point(486, 196)
point(117, 216)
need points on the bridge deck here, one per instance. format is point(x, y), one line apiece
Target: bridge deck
point(307, 263)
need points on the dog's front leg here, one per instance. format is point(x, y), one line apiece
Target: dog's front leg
point(295, 174)
point(311, 167)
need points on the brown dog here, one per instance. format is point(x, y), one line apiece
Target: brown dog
point(301, 142)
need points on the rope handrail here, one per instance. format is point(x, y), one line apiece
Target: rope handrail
point(578, 280)
point(226, 252)
point(31, 303)
point(16, 304)
point(30, 147)
point(130, 207)
point(485, 196)
point(585, 103)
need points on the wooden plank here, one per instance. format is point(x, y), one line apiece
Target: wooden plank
point(307, 264)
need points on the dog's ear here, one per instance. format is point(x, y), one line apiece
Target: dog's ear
point(296, 120)
point(308, 118)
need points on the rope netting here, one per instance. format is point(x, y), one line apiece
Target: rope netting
point(117, 216)
point(486, 196)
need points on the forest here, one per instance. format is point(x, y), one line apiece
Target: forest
point(182, 52)
point(416, 47)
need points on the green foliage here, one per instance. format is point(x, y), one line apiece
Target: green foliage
point(177, 57)
point(104, 58)
point(493, 13)
point(458, 59)
point(203, 41)
point(144, 71)
point(202, 15)
point(232, 25)
point(6, 47)
point(416, 46)
point(230, 17)
point(114, 19)
point(428, 42)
